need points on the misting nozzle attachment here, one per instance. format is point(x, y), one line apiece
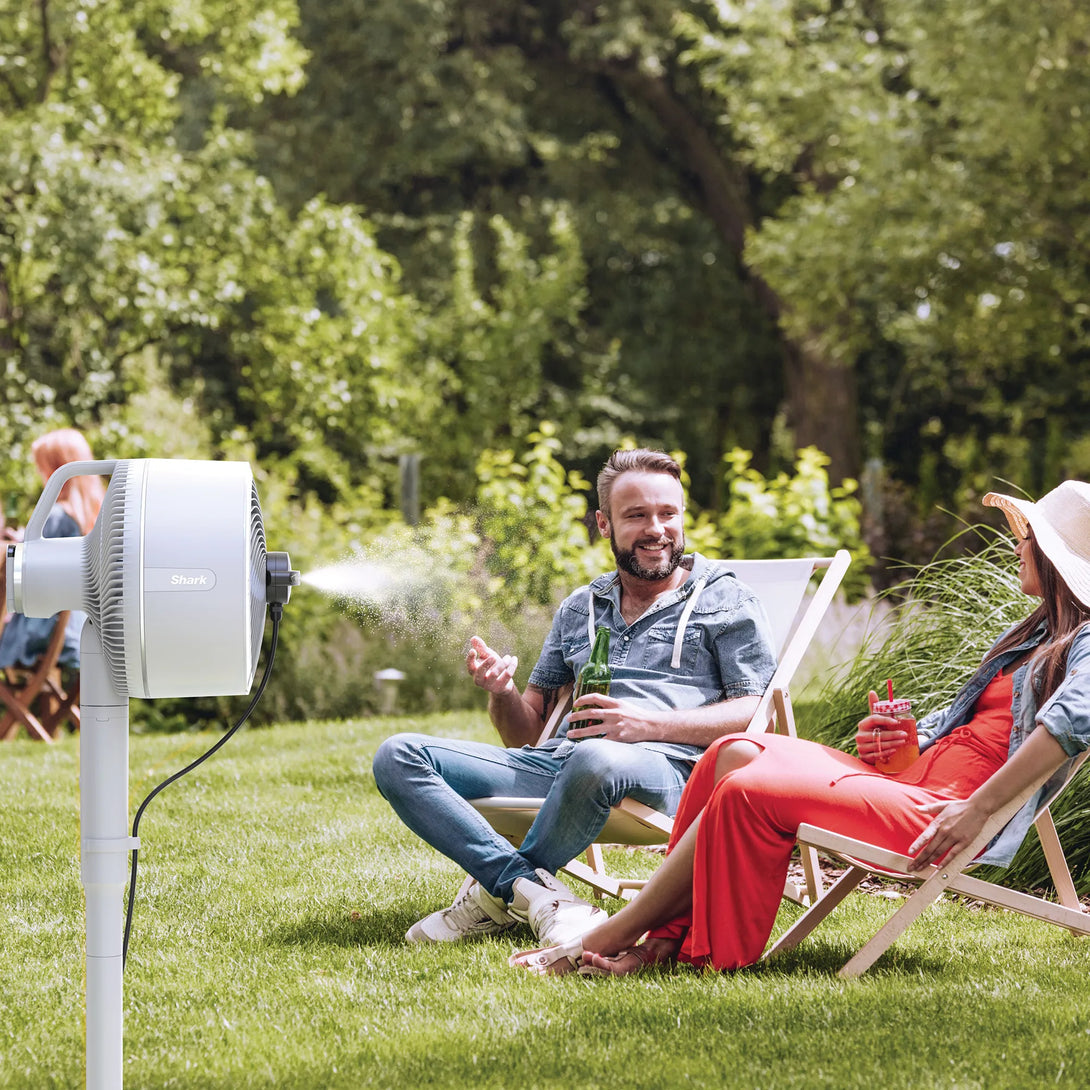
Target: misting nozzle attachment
point(14, 579)
point(280, 577)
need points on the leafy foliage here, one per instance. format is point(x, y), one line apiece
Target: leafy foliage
point(533, 518)
point(136, 235)
point(934, 151)
point(503, 110)
point(510, 302)
point(788, 515)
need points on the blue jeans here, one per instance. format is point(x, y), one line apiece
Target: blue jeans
point(427, 780)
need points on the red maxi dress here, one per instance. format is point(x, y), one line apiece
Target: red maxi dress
point(750, 816)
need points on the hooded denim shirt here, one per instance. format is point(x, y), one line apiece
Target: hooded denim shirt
point(1065, 715)
point(705, 642)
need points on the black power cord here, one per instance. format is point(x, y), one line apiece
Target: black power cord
point(276, 611)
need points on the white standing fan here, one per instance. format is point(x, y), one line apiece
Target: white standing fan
point(174, 578)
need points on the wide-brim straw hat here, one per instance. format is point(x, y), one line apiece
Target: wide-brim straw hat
point(1060, 521)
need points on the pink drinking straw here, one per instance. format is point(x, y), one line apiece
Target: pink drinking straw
point(889, 687)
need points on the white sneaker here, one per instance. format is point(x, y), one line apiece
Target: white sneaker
point(474, 914)
point(553, 912)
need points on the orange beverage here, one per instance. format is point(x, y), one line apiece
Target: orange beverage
point(900, 758)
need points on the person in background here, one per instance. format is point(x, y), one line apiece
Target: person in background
point(691, 654)
point(23, 639)
point(1023, 714)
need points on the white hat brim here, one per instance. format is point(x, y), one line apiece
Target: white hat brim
point(1023, 515)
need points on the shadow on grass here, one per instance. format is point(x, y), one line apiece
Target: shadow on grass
point(387, 926)
point(820, 957)
point(378, 927)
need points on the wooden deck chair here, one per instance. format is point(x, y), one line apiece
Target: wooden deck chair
point(781, 585)
point(865, 860)
point(35, 697)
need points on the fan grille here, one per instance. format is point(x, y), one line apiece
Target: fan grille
point(105, 568)
point(258, 566)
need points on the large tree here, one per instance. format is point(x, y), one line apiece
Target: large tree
point(426, 111)
point(864, 213)
point(139, 246)
point(936, 238)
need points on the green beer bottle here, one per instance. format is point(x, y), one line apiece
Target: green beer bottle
point(595, 675)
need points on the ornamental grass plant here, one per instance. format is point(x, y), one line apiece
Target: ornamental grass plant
point(275, 886)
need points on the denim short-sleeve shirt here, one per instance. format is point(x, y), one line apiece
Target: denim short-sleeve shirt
point(705, 642)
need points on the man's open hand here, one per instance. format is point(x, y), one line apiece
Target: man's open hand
point(489, 669)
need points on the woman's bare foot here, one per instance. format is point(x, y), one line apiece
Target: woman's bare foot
point(633, 960)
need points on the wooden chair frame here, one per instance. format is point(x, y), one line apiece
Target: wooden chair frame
point(866, 860)
point(21, 688)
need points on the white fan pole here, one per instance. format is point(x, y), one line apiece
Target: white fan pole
point(104, 848)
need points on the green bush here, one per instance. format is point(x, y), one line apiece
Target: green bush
point(786, 515)
point(532, 518)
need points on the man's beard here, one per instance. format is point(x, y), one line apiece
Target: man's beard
point(627, 562)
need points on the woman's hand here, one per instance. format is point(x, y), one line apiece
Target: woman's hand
point(955, 826)
point(878, 736)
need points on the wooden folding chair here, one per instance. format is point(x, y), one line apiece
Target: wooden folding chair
point(781, 586)
point(36, 697)
point(866, 860)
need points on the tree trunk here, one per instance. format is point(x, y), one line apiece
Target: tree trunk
point(822, 407)
point(820, 393)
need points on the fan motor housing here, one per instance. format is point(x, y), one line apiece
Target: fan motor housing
point(172, 575)
point(190, 629)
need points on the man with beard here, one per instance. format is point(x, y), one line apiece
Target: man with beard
point(690, 653)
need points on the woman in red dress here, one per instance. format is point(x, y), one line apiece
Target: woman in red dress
point(1025, 711)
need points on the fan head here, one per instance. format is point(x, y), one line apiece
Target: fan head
point(173, 574)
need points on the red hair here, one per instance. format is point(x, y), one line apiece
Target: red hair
point(81, 497)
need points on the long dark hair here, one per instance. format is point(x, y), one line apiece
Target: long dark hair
point(1063, 615)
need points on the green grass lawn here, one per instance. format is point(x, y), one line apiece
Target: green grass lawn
point(275, 887)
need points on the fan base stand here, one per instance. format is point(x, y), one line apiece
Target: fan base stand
point(104, 847)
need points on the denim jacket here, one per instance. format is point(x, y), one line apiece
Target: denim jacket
point(1065, 715)
point(705, 642)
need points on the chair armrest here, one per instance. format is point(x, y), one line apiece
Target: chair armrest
point(563, 706)
point(858, 851)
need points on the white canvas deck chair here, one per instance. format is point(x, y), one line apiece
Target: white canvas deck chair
point(781, 586)
point(865, 860)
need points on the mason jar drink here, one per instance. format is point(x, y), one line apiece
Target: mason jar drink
point(900, 758)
